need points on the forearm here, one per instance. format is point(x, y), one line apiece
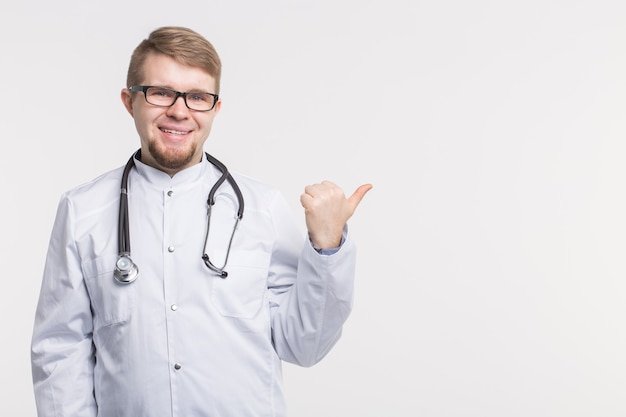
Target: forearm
point(62, 361)
point(309, 321)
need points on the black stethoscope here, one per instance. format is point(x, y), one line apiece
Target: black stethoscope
point(126, 271)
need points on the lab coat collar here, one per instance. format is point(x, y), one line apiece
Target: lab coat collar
point(161, 179)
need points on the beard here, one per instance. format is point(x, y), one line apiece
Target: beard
point(172, 159)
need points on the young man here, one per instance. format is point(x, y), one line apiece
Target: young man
point(196, 319)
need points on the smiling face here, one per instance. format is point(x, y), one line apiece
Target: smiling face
point(172, 138)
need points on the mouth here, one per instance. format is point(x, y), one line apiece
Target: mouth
point(174, 132)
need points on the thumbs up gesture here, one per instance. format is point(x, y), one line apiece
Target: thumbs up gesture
point(326, 211)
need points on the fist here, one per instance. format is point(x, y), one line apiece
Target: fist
point(326, 211)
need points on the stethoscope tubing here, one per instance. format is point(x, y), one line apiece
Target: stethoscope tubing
point(126, 271)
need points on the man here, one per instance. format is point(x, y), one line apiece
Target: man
point(193, 335)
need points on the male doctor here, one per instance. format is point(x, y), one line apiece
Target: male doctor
point(184, 339)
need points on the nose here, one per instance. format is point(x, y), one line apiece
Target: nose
point(179, 109)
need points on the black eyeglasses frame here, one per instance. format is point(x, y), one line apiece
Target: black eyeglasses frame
point(144, 89)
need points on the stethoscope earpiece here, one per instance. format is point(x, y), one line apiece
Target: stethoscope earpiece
point(126, 271)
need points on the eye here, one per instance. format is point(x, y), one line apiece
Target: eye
point(160, 92)
point(198, 97)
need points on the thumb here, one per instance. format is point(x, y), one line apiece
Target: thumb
point(358, 195)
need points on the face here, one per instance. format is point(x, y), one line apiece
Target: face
point(172, 138)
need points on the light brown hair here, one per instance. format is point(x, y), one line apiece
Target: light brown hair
point(180, 43)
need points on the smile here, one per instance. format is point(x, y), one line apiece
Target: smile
point(174, 132)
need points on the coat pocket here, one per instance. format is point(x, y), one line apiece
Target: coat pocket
point(241, 294)
point(111, 301)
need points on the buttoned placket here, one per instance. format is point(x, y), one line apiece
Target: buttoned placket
point(170, 292)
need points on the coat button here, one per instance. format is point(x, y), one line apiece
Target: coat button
point(177, 366)
point(170, 249)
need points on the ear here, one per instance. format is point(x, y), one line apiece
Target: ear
point(218, 106)
point(127, 100)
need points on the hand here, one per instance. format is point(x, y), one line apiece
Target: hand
point(326, 211)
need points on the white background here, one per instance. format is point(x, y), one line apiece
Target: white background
point(492, 247)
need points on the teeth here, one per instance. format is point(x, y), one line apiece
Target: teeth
point(174, 132)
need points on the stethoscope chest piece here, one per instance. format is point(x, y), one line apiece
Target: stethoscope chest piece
point(126, 271)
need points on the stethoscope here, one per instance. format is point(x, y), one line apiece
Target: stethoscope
point(126, 271)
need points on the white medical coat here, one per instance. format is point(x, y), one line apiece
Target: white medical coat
point(181, 341)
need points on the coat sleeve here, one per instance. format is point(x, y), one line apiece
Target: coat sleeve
point(62, 353)
point(310, 294)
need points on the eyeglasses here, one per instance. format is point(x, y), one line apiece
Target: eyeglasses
point(166, 97)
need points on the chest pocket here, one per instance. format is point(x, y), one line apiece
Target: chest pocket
point(241, 294)
point(111, 301)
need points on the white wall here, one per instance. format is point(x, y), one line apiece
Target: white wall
point(492, 248)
